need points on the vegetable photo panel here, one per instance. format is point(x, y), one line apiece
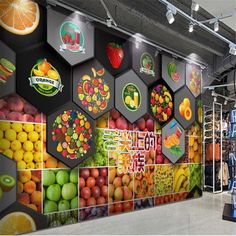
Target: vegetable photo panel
point(173, 72)
point(146, 62)
point(72, 36)
point(112, 50)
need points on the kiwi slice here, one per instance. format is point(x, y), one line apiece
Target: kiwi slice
point(1, 193)
point(7, 182)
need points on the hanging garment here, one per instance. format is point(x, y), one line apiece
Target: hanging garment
point(209, 152)
point(225, 174)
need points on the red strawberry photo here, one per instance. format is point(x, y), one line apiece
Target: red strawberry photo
point(115, 54)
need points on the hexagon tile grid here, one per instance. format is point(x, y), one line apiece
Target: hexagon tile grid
point(173, 72)
point(8, 180)
point(72, 37)
point(131, 96)
point(184, 106)
point(70, 135)
point(43, 78)
point(173, 141)
point(93, 88)
point(146, 62)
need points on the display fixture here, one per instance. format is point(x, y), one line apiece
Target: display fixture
point(95, 123)
point(213, 148)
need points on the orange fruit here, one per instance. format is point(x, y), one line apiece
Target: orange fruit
point(16, 223)
point(19, 16)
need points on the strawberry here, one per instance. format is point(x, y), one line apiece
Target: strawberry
point(115, 54)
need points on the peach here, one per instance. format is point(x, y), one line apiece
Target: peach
point(51, 163)
point(118, 194)
point(117, 182)
point(30, 187)
point(36, 198)
point(46, 156)
point(24, 176)
point(24, 198)
point(127, 193)
point(32, 206)
point(36, 176)
point(20, 187)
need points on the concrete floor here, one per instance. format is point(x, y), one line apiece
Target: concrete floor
point(200, 216)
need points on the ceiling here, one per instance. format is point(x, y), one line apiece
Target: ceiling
point(218, 7)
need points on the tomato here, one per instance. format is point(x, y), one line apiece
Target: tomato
point(96, 191)
point(85, 193)
point(94, 172)
point(81, 182)
point(104, 191)
point(84, 173)
point(103, 172)
point(82, 203)
point(101, 201)
point(118, 207)
point(90, 182)
point(91, 201)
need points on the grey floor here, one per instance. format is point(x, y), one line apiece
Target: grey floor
point(200, 216)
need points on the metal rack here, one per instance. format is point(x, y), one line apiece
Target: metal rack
point(213, 136)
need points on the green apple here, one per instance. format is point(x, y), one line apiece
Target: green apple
point(53, 192)
point(69, 191)
point(62, 177)
point(63, 205)
point(50, 206)
point(74, 203)
point(74, 176)
point(48, 177)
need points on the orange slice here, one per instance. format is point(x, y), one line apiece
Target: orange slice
point(16, 223)
point(19, 17)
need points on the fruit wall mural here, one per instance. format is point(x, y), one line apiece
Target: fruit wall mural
point(90, 125)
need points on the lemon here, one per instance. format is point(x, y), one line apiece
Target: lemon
point(21, 165)
point(37, 156)
point(1, 134)
point(15, 145)
point(28, 127)
point(38, 145)
point(28, 146)
point(28, 157)
point(5, 125)
point(30, 165)
point(4, 144)
point(16, 223)
point(18, 155)
point(8, 153)
point(17, 127)
point(33, 136)
point(22, 136)
point(38, 72)
point(10, 134)
point(53, 74)
point(127, 100)
point(37, 128)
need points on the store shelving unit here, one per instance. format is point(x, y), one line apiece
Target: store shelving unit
point(212, 131)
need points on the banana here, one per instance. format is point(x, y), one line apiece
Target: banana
point(182, 190)
point(168, 95)
point(187, 172)
point(180, 181)
point(185, 184)
point(177, 175)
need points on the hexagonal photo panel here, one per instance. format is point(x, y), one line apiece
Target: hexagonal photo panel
point(161, 102)
point(184, 106)
point(112, 49)
point(72, 36)
point(146, 62)
point(93, 88)
point(23, 34)
point(8, 181)
point(173, 141)
point(173, 72)
point(43, 78)
point(70, 134)
point(7, 70)
point(199, 110)
point(194, 78)
point(131, 96)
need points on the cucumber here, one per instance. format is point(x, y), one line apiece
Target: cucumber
point(7, 183)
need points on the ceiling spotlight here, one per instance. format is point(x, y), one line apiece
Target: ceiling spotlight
point(215, 99)
point(216, 26)
point(109, 22)
point(232, 49)
point(195, 6)
point(171, 11)
point(190, 27)
point(226, 102)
